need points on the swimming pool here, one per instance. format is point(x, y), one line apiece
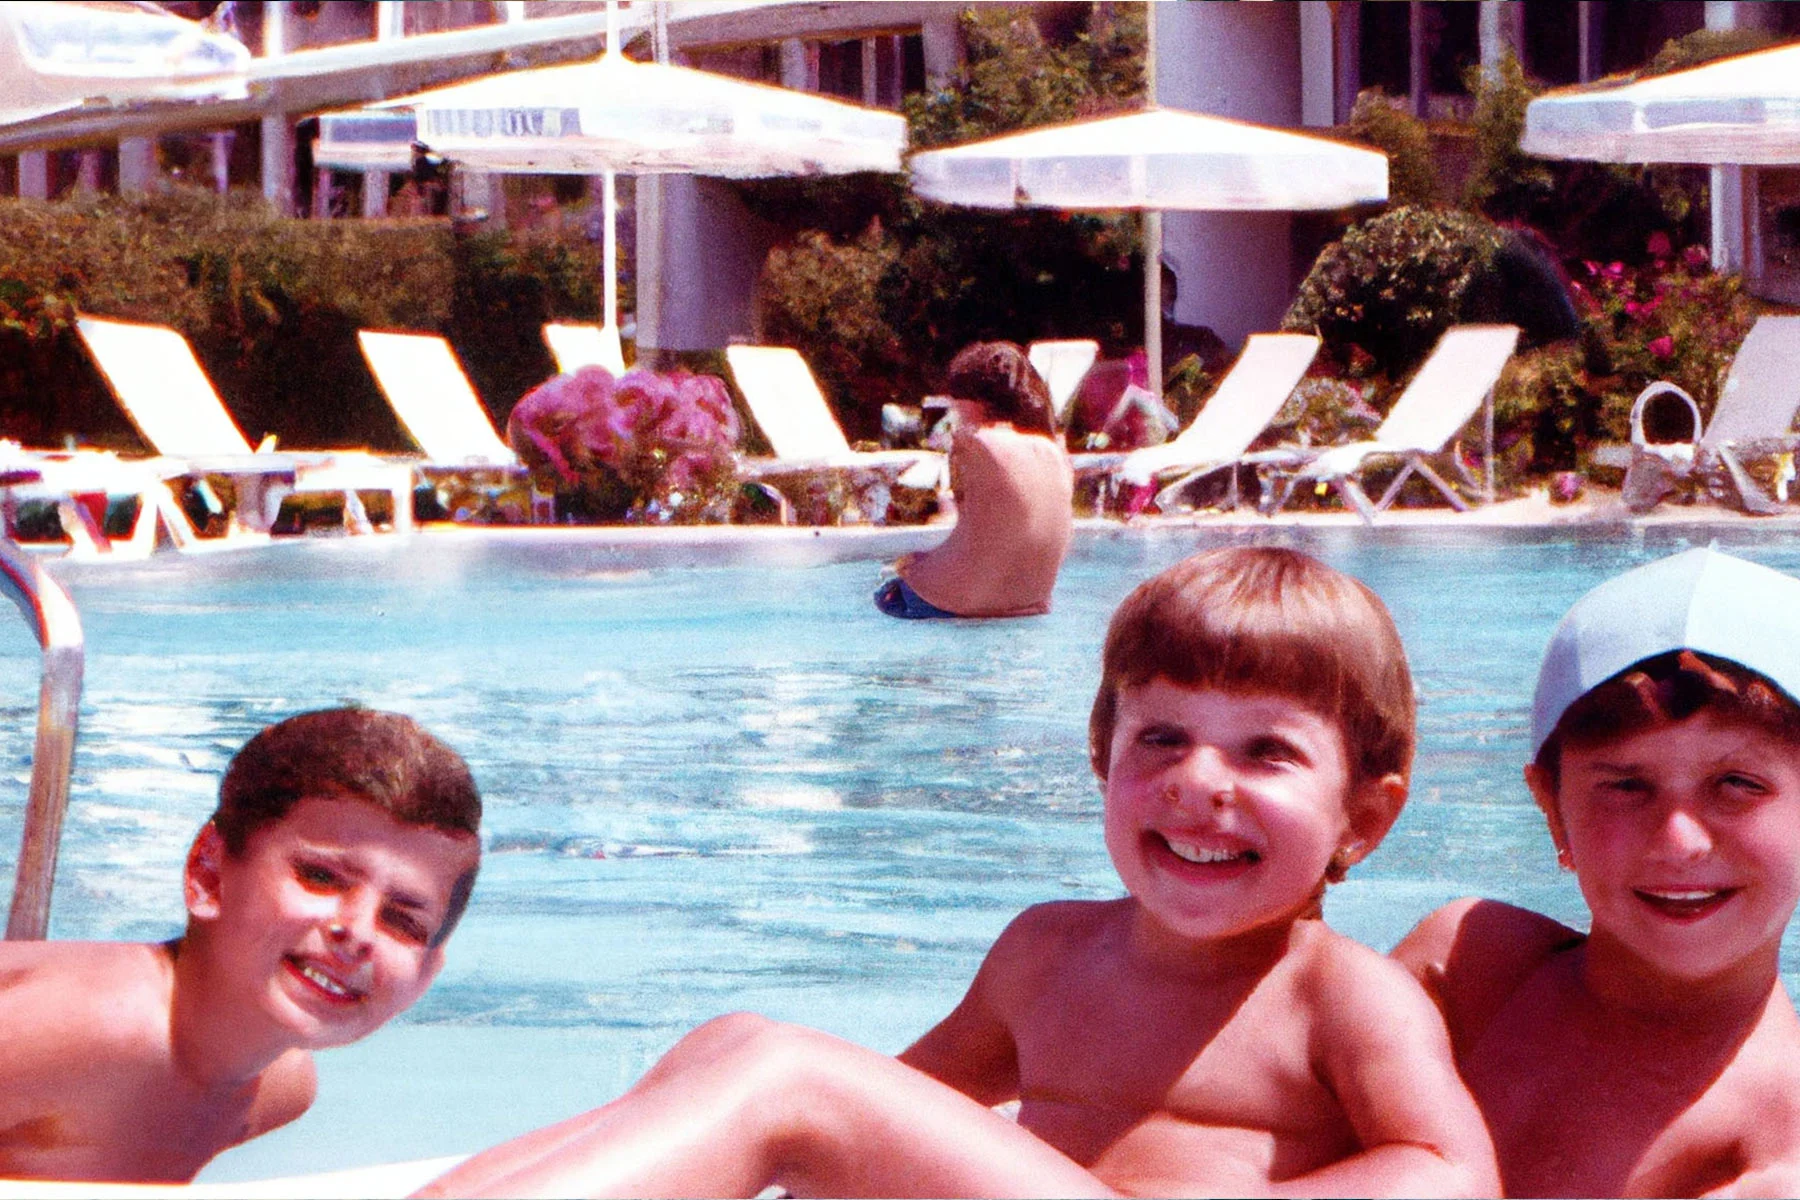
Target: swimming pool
point(734, 786)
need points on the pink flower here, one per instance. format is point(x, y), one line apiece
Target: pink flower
point(1593, 268)
point(1614, 270)
point(1662, 347)
point(1694, 257)
point(1659, 245)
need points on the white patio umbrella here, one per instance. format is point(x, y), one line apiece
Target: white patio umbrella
point(1155, 159)
point(1740, 110)
point(615, 114)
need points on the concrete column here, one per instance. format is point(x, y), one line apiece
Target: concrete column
point(1418, 81)
point(1502, 29)
point(1730, 218)
point(277, 128)
point(1347, 42)
point(870, 97)
point(137, 164)
point(698, 258)
point(793, 65)
point(1591, 29)
point(278, 162)
point(649, 267)
point(390, 19)
point(1316, 58)
point(1235, 270)
point(34, 175)
point(941, 37)
point(221, 160)
point(87, 176)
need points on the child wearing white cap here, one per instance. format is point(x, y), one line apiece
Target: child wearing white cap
point(1658, 1054)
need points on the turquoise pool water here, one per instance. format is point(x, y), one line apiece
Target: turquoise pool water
point(737, 786)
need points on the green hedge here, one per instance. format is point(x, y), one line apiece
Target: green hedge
point(271, 306)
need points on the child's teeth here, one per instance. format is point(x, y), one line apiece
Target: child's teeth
point(1701, 895)
point(324, 981)
point(1188, 852)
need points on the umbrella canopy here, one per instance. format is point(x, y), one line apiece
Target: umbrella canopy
point(614, 114)
point(1154, 159)
point(1159, 158)
point(63, 57)
point(1743, 110)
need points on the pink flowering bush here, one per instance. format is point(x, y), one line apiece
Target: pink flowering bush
point(644, 446)
point(1671, 318)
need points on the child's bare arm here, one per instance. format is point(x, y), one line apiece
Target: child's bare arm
point(1383, 1051)
point(972, 1049)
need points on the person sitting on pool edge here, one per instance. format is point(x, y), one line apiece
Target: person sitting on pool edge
point(319, 896)
point(1205, 1034)
point(1014, 492)
point(1658, 1054)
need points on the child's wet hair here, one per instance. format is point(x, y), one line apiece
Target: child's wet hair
point(1663, 690)
point(1262, 619)
point(1000, 375)
point(382, 759)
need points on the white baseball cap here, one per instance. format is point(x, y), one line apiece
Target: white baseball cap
point(1700, 600)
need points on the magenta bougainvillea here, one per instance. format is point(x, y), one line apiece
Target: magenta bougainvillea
point(647, 445)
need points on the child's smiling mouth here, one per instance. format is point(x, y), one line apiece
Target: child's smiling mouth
point(324, 982)
point(1688, 903)
point(1209, 853)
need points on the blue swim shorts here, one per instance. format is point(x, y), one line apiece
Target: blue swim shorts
point(898, 600)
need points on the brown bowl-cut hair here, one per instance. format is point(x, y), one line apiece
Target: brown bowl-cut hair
point(1268, 620)
point(1000, 375)
point(382, 759)
point(1663, 690)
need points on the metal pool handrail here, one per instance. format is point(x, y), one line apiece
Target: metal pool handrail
point(53, 619)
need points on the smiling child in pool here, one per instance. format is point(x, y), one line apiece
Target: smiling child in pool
point(1253, 732)
point(1659, 1054)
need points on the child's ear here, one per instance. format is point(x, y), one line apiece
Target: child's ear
point(1538, 780)
point(1377, 808)
point(200, 878)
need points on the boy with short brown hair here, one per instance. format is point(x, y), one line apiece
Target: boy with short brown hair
point(1205, 1034)
point(1658, 1054)
point(319, 895)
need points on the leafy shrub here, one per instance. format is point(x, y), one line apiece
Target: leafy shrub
point(889, 286)
point(1412, 163)
point(1393, 284)
point(647, 446)
point(272, 306)
point(1586, 209)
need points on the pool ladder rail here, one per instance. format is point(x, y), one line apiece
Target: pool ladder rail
point(57, 626)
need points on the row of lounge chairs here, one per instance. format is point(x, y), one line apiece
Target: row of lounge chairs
point(162, 387)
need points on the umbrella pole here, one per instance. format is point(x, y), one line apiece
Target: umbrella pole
point(1153, 241)
point(609, 241)
point(1153, 299)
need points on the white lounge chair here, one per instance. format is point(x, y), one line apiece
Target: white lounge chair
point(162, 388)
point(426, 386)
point(1062, 365)
point(1456, 379)
point(789, 408)
point(575, 346)
point(1239, 409)
point(1754, 418)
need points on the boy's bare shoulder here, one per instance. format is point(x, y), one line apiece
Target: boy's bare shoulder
point(76, 981)
point(284, 1093)
point(1045, 934)
point(75, 1005)
point(1473, 954)
point(1348, 980)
